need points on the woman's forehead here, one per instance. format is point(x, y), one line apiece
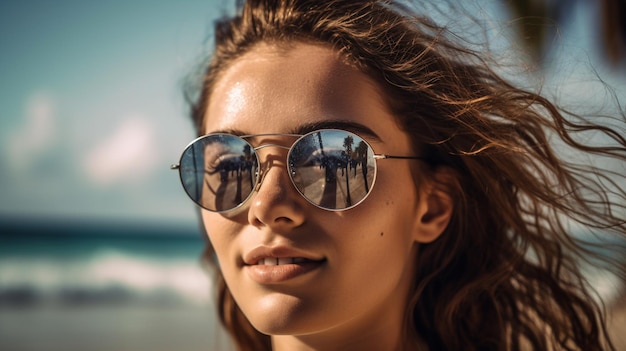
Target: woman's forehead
point(304, 81)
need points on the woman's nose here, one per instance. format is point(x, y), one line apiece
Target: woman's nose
point(276, 203)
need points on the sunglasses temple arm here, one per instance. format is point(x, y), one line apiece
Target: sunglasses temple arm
point(175, 166)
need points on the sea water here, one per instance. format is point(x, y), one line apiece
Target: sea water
point(104, 286)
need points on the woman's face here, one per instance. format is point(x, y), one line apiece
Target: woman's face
point(352, 269)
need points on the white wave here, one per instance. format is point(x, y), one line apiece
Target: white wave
point(107, 269)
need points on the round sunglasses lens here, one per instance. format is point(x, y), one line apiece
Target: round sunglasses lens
point(218, 171)
point(332, 169)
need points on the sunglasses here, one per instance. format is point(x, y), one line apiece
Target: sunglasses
point(332, 169)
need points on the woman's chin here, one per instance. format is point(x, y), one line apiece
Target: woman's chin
point(281, 314)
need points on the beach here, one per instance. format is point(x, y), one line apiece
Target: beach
point(102, 287)
point(110, 328)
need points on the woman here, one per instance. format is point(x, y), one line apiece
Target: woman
point(368, 184)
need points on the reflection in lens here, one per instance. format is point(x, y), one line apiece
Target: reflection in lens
point(333, 169)
point(218, 171)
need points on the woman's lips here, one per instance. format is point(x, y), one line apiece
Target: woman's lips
point(272, 270)
point(273, 261)
point(278, 264)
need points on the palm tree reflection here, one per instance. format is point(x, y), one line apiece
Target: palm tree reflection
point(329, 197)
point(230, 190)
point(361, 152)
point(334, 161)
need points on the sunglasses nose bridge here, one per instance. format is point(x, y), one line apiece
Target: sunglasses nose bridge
point(269, 161)
point(257, 148)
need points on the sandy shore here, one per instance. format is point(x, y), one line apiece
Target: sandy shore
point(109, 328)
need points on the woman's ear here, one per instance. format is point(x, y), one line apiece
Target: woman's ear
point(436, 205)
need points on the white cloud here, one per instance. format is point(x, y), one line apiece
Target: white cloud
point(36, 135)
point(127, 154)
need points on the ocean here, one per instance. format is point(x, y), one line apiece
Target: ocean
point(90, 285)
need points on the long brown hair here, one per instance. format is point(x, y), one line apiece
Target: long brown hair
point(505, 275)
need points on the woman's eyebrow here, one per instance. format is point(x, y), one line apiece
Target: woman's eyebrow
point(228, 131)
point(305, 128)
point(350, 126)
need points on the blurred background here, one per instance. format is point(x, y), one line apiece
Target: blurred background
point(99, 246)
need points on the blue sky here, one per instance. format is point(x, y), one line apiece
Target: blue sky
point(92, 109)
point(91, 106)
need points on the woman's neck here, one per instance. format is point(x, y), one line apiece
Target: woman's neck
point(385, 335)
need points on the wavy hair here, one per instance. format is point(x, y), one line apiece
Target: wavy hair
point(505, 274)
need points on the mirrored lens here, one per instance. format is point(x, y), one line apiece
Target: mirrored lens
point(332, 169)
point(218, 171)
